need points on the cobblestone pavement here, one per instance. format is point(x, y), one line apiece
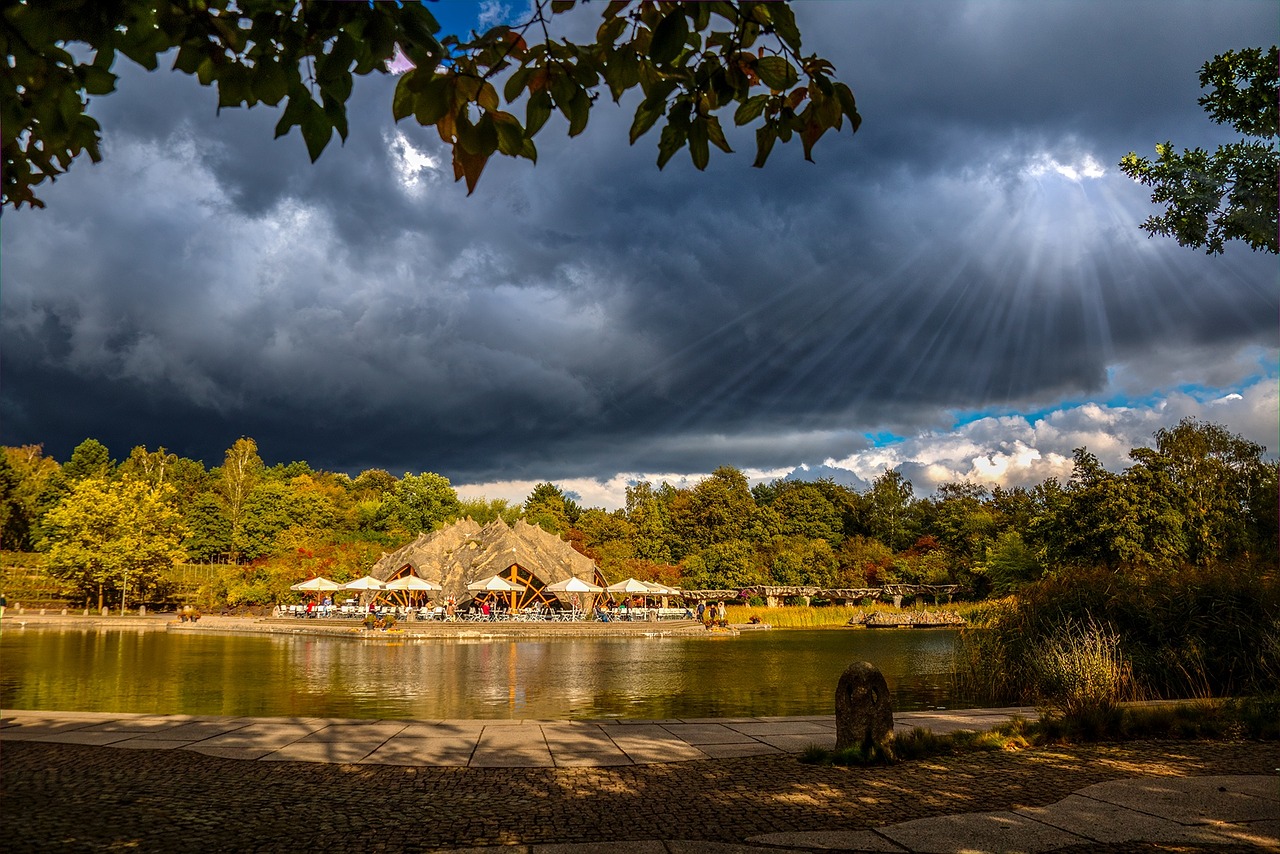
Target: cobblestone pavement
point(71, 797)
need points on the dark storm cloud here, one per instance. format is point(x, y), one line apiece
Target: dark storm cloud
point(592, 315)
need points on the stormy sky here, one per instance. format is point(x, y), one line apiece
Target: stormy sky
point(960, 290)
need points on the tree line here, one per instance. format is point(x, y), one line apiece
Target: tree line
point(1199, 497)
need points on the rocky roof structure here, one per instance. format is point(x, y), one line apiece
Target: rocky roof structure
point(465, 552)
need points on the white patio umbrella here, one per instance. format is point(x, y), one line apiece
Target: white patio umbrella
point(495, 584)
point(574, 585)
point(314, 585)
point(412, 582)
point(630, 585)
point(366, 583)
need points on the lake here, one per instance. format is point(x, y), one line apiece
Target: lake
point(780, 672)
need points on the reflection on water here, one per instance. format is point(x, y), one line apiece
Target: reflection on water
point(759, 673)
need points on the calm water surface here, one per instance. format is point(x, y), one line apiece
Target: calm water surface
point(777, 672)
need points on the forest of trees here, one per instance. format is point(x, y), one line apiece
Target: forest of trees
point(1199, 497)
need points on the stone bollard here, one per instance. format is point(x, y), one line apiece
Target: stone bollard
point(86, 612)
point(104, 612)
point(42, 612)
point(142, 610)
point(64, 612)
point(864, 709)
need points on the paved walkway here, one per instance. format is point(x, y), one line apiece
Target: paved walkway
point(468, 743)
point(90, 782)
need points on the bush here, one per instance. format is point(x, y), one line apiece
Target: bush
point(1198, 632)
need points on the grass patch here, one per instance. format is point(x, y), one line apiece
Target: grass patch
point(1255, 718)
point(816, 617)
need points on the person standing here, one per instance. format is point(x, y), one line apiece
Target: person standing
point(721, 615)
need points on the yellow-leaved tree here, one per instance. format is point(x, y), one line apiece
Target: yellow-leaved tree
point(114, 536)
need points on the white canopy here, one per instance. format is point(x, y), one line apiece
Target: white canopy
point(630, 585)
point(493, 584)
point(663, 590)
point(366, 583)
point(412, 582)
point(574, 585)
point(313, 585)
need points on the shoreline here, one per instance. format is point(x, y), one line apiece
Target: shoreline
point(214, 624)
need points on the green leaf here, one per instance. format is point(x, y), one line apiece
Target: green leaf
point(510, 134)
point(433, 103)
point(402, 102)
point(699, 152)
point(316, 131)
point(669, 37)
point(715, 133)
point(516, 83)
point(610, 30)
point(271, 82)
point(97, 81)
point(537, 112)
point(622, 71)
point(750, 109)
point(579, 112)
point(776, 73)
point(646, 114)
point(784, 24)
point(671, 141)
point(486, 135)
point(529, 150)
point(765, 138)
point(233, 87)
point(558, 6)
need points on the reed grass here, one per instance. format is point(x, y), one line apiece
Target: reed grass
point(805, 617)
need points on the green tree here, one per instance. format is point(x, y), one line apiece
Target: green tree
point(485, 510)
point(963, 522)
point(36, 487)
point(718, 509)
point(1214, 476)
point(605, 537)
point(209, 534)
point(806, 511)
point(240, 473)
point(550, 509)
point(1117, 521)
point(691, 61)
point(647, 513)
point(1011, 564)
point(800, 560)
point(889, 500)
point(423, 502)
point(89, 459)
point(1231, 193)
point(113, 536)
point(154, 467)
point(728, 564)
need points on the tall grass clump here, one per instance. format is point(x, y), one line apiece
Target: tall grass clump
point(1197, 632)
point(793, 617)
point(1083, 670)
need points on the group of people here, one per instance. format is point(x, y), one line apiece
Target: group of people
point(712, 614)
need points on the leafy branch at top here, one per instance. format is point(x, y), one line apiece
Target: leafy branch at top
point(1230, 194)
point(689, 60)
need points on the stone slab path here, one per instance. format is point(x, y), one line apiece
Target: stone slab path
point(92, 782)
point(465, 743)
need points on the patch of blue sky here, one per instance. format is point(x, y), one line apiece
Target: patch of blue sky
point(455, 18)
point(1196, 391)
point(883, 438)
